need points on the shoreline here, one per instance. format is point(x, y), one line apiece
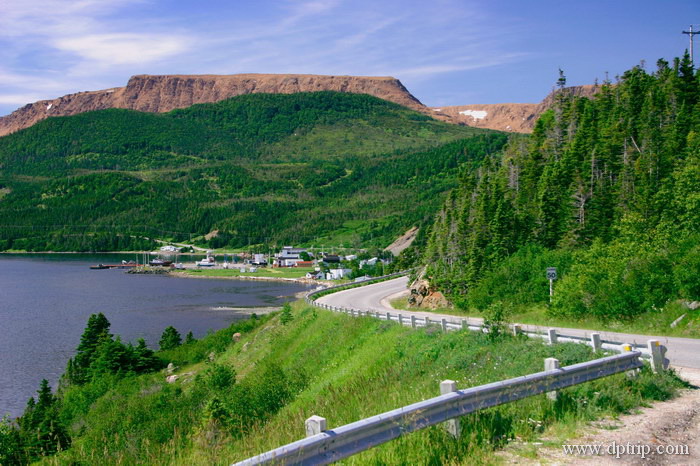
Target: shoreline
point(304, 281)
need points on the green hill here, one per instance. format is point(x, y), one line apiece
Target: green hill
point(340, 168)
point(606, 189)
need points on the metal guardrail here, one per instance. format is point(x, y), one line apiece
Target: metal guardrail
point(447, 325)
point(341, 442)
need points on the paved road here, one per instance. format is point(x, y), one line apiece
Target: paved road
point(682, 352)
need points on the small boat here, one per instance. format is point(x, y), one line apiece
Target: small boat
point(99, 267)
point(160, 262)
point(209, 261)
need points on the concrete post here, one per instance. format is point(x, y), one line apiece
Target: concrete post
point(315, 425)
point(657, 359)
point(413, 321)
point(444, 325)
point(552, 334)
point(595, 342)
point(465, 324)
point(625, 348)
point(388, 317)
point(551, 364)
point(452, 426)
point(517, 329)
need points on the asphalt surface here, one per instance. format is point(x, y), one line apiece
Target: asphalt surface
point(682, 352)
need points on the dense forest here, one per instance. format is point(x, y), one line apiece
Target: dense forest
point(342, 169)
point(606, 189)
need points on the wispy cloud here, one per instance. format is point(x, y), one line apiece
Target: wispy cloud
point(123, 49)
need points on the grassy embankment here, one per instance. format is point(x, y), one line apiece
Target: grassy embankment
point(343, 369)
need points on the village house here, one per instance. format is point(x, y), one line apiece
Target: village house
point(288, 256)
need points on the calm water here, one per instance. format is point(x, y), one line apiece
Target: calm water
point(45, 302)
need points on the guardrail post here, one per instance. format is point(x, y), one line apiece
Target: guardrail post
point(551, 364)
point(315, 425)
point(401, 319)
point(377, 315)
point(413, 321)
point(657, 359)
point(427, 321)
point(452, 426)
point(517, 329)
point(552, 334)
point(595, 342)
point(465, 324)
point(388, 316)
point(626, 347)
point(444, 325)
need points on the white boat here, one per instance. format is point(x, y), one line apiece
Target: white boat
point(209, 261)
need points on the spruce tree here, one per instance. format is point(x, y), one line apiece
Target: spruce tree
point(95, 332)
point(170, 339)
point(286, 316)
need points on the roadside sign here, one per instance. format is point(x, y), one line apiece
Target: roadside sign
point(551, 273)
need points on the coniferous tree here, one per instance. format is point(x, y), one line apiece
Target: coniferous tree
point(95, 333)
point(170, 338)
point(41, 430)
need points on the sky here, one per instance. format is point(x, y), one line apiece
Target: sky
point(446, 52)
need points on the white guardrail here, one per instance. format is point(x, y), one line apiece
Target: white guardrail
point(323, 446)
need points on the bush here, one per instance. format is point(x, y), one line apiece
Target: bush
point(618, 281)
point(520, 279)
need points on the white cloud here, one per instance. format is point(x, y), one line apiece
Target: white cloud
point(123, 49)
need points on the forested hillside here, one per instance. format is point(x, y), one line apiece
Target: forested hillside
point(607, 189)
point(344, 169)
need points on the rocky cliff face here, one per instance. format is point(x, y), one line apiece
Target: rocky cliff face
point(518, 118)
point(164, 93)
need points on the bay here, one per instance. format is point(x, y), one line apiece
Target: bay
point(45, 301)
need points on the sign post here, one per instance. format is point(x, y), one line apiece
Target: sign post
point(551, 276)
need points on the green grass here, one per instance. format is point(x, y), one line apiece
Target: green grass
point(343, 369)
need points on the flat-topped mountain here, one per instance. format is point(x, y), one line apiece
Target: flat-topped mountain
point(159, 94)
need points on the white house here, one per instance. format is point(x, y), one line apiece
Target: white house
point(371, 262)
point(259, 259)
point(288, 256)
point(337, 274)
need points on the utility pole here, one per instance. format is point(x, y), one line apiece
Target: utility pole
point(691, 33)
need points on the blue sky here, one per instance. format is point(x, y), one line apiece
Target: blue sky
point(446, 52)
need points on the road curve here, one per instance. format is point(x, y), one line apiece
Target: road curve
point(682, 352)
